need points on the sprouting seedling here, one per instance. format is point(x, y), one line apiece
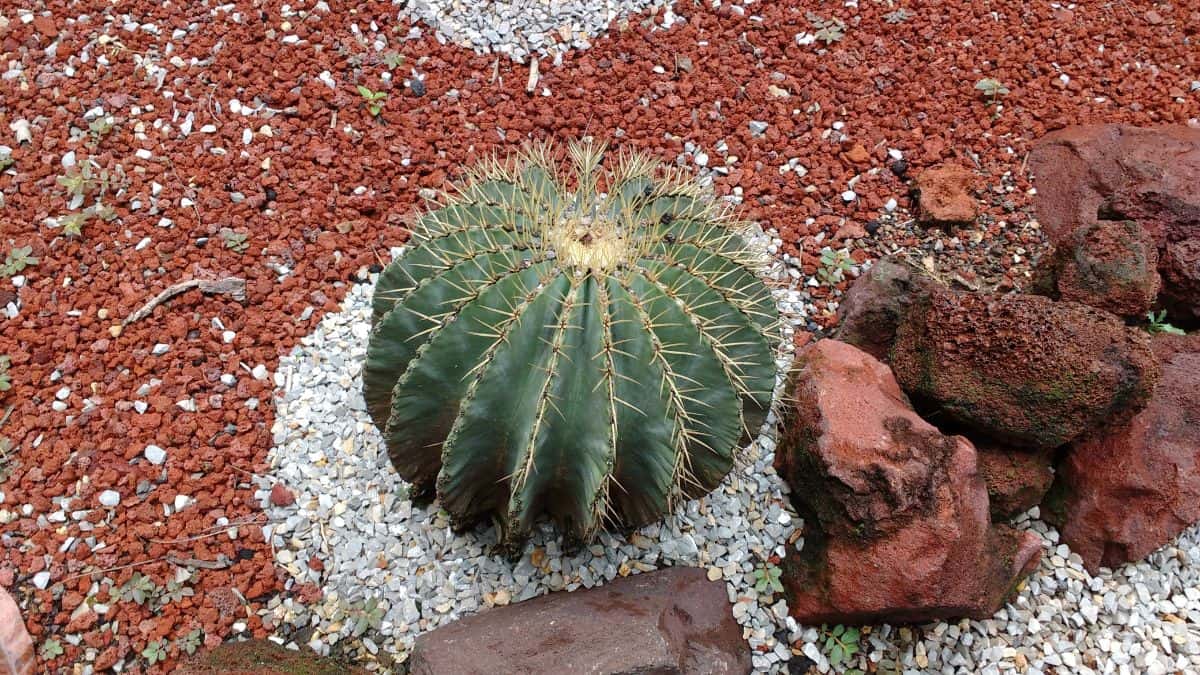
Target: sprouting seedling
point(1158, 324)
point(191, 642)
point(841, 645)
point(234, 241)
point(72, 223)
point(393, 60)
point(373, 99)
point(766, 579)
point(79, 181)
point(992, 88)
point(155, 652)
point(5, 379)
point(100, 127)
point(17, 259)
point(828, 30)
point(51, 649)
point(834, 266)
point(139, 589)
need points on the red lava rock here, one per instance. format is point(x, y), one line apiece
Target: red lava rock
point(1024, 370)
point(946, 196)
point(1016, 481)
point(45, 25)
point(899, 529)
point(1120, 172)
point(670, 621)
point(858, 155)
point(876, 303)
point(1122, 492)
point(16, 649)
point(281, 496)
point(1110, 264)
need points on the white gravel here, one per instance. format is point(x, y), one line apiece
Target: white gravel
point(520, 28)
point(352, 513)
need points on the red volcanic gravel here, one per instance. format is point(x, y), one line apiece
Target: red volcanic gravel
point(322, 190)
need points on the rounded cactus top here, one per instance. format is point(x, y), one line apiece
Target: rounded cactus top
point(570, 340)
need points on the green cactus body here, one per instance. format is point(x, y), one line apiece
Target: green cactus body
point(590, 357)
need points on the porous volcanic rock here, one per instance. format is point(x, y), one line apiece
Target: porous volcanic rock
point(16, 649)
point(262, 657)
point(897, 513)
point(945, 196)
point(1112, 171)
point(877, 301)
point(1121, 493)
point(1181, 278)
point(670, 621)
point(1023, 370)
point(1016, 480)
point(1108, 264)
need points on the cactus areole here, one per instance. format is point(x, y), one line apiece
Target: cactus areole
point(592, 344)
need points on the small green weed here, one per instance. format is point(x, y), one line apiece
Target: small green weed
point(834, 266)
point(99, 128)
point(992, 88)
point(374, 100)
point(393, 60)
point(139, 589)
point(841, 645)
point(766, 579)
point(234, 241)
point(51, 649)
point(1158, 324)
point(155, 651)
point(828, 30)
point(17, 259)
point(191, 642)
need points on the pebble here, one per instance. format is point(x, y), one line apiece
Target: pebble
point(109, 498)
point(155, 455)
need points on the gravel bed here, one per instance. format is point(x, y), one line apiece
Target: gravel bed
point(520, 28)
point(352, 515)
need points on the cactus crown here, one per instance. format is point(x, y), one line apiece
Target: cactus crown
point(590, 344)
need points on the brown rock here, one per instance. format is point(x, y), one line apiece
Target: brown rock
point(1121, 493)
point(876, 302)
point(946, 196)
point(897, 512)
point(1181, 276)
point(16, 649)
point(1016, 481)
point(1023, 370)
point(1109, 264)
point(262, 657)
point(281, 496)
point(1120, 172)
point(669, 621)
point(858, 155)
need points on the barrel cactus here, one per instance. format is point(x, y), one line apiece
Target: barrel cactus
point(568, 339)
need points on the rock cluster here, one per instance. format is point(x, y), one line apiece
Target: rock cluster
point(1115, 172)
point(897, 524)
point(1123, 492)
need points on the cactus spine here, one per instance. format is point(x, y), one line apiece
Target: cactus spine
point(595, 355)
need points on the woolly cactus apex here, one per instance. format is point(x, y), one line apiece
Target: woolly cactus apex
point(590, 356)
